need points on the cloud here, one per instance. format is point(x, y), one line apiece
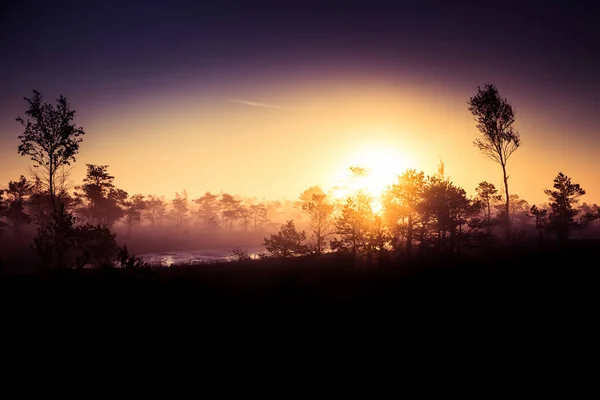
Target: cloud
point(267, 105)
point(256, 104)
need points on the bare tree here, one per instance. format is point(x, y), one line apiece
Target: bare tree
point(495, 116)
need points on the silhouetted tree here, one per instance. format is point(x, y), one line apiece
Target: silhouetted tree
point(258, 213)
point(288, 242)
point(155, 210)
point(541, 220)
point(588, 213)
point(401, 202)
point(113, 210)
point(95, 189)
point(378, 239)
point(93, 245)
point(495, 117)
point(320, 213)
point(180, 208)
point(352, 226)
point(3, 207)
point(50, 138)
point(448, 214)
point(133, 208)
point(230, 209)
point(54, 239)
point(18, 193)
point(562, 199)
point(209, 208)
point(488, 194)
point(245, 216)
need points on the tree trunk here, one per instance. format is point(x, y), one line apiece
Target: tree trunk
point(507, 200)
point(409, 235)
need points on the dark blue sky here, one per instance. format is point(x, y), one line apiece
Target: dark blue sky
point(100, 50)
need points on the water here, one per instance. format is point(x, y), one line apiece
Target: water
point(169, 258)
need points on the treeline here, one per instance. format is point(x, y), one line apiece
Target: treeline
point(97, 201)
point(431, 214)
point(75, 223)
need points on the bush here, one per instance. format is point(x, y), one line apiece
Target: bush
point(240, 254)
point(288, 242)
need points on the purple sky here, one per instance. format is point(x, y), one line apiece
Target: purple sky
point(101, 54)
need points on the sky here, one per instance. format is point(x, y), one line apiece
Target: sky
point(266, 99)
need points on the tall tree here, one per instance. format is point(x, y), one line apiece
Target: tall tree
point(320, 213)
point(495, 117)
point(562, 198)
point(488, 194)
point(50, 138)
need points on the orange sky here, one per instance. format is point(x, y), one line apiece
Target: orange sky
point(307, 134)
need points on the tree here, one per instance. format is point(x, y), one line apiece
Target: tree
point(133, 208)
point(448, 214)
point(230, 208)
point(488, 194)
point(209, 208)
point(353, 224)
point(307, 195)
point(3, 206)
point(401, 202)
point(288, 242)
point(93, 245)
point(17, 193)
point(50, 138)
point(541, 220)
point(54, 239)
point(245, 216)
point(180, 208)
point(562, 198)
point(320, 213)
point(155, 209)
point(495, 117)
point(114, 208)
point(96, 187)
point(378, 239)
point(258, 213)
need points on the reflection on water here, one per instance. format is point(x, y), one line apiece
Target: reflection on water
point(167, 259)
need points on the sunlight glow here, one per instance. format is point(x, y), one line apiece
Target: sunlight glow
point(382, 165)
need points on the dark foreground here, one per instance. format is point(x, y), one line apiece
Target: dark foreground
point(517, 282)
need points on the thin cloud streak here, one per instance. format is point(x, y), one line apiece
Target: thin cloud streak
point(266, 105)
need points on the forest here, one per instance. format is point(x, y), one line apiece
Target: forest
point(49, 222)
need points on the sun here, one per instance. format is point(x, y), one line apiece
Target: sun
point(370, 169)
